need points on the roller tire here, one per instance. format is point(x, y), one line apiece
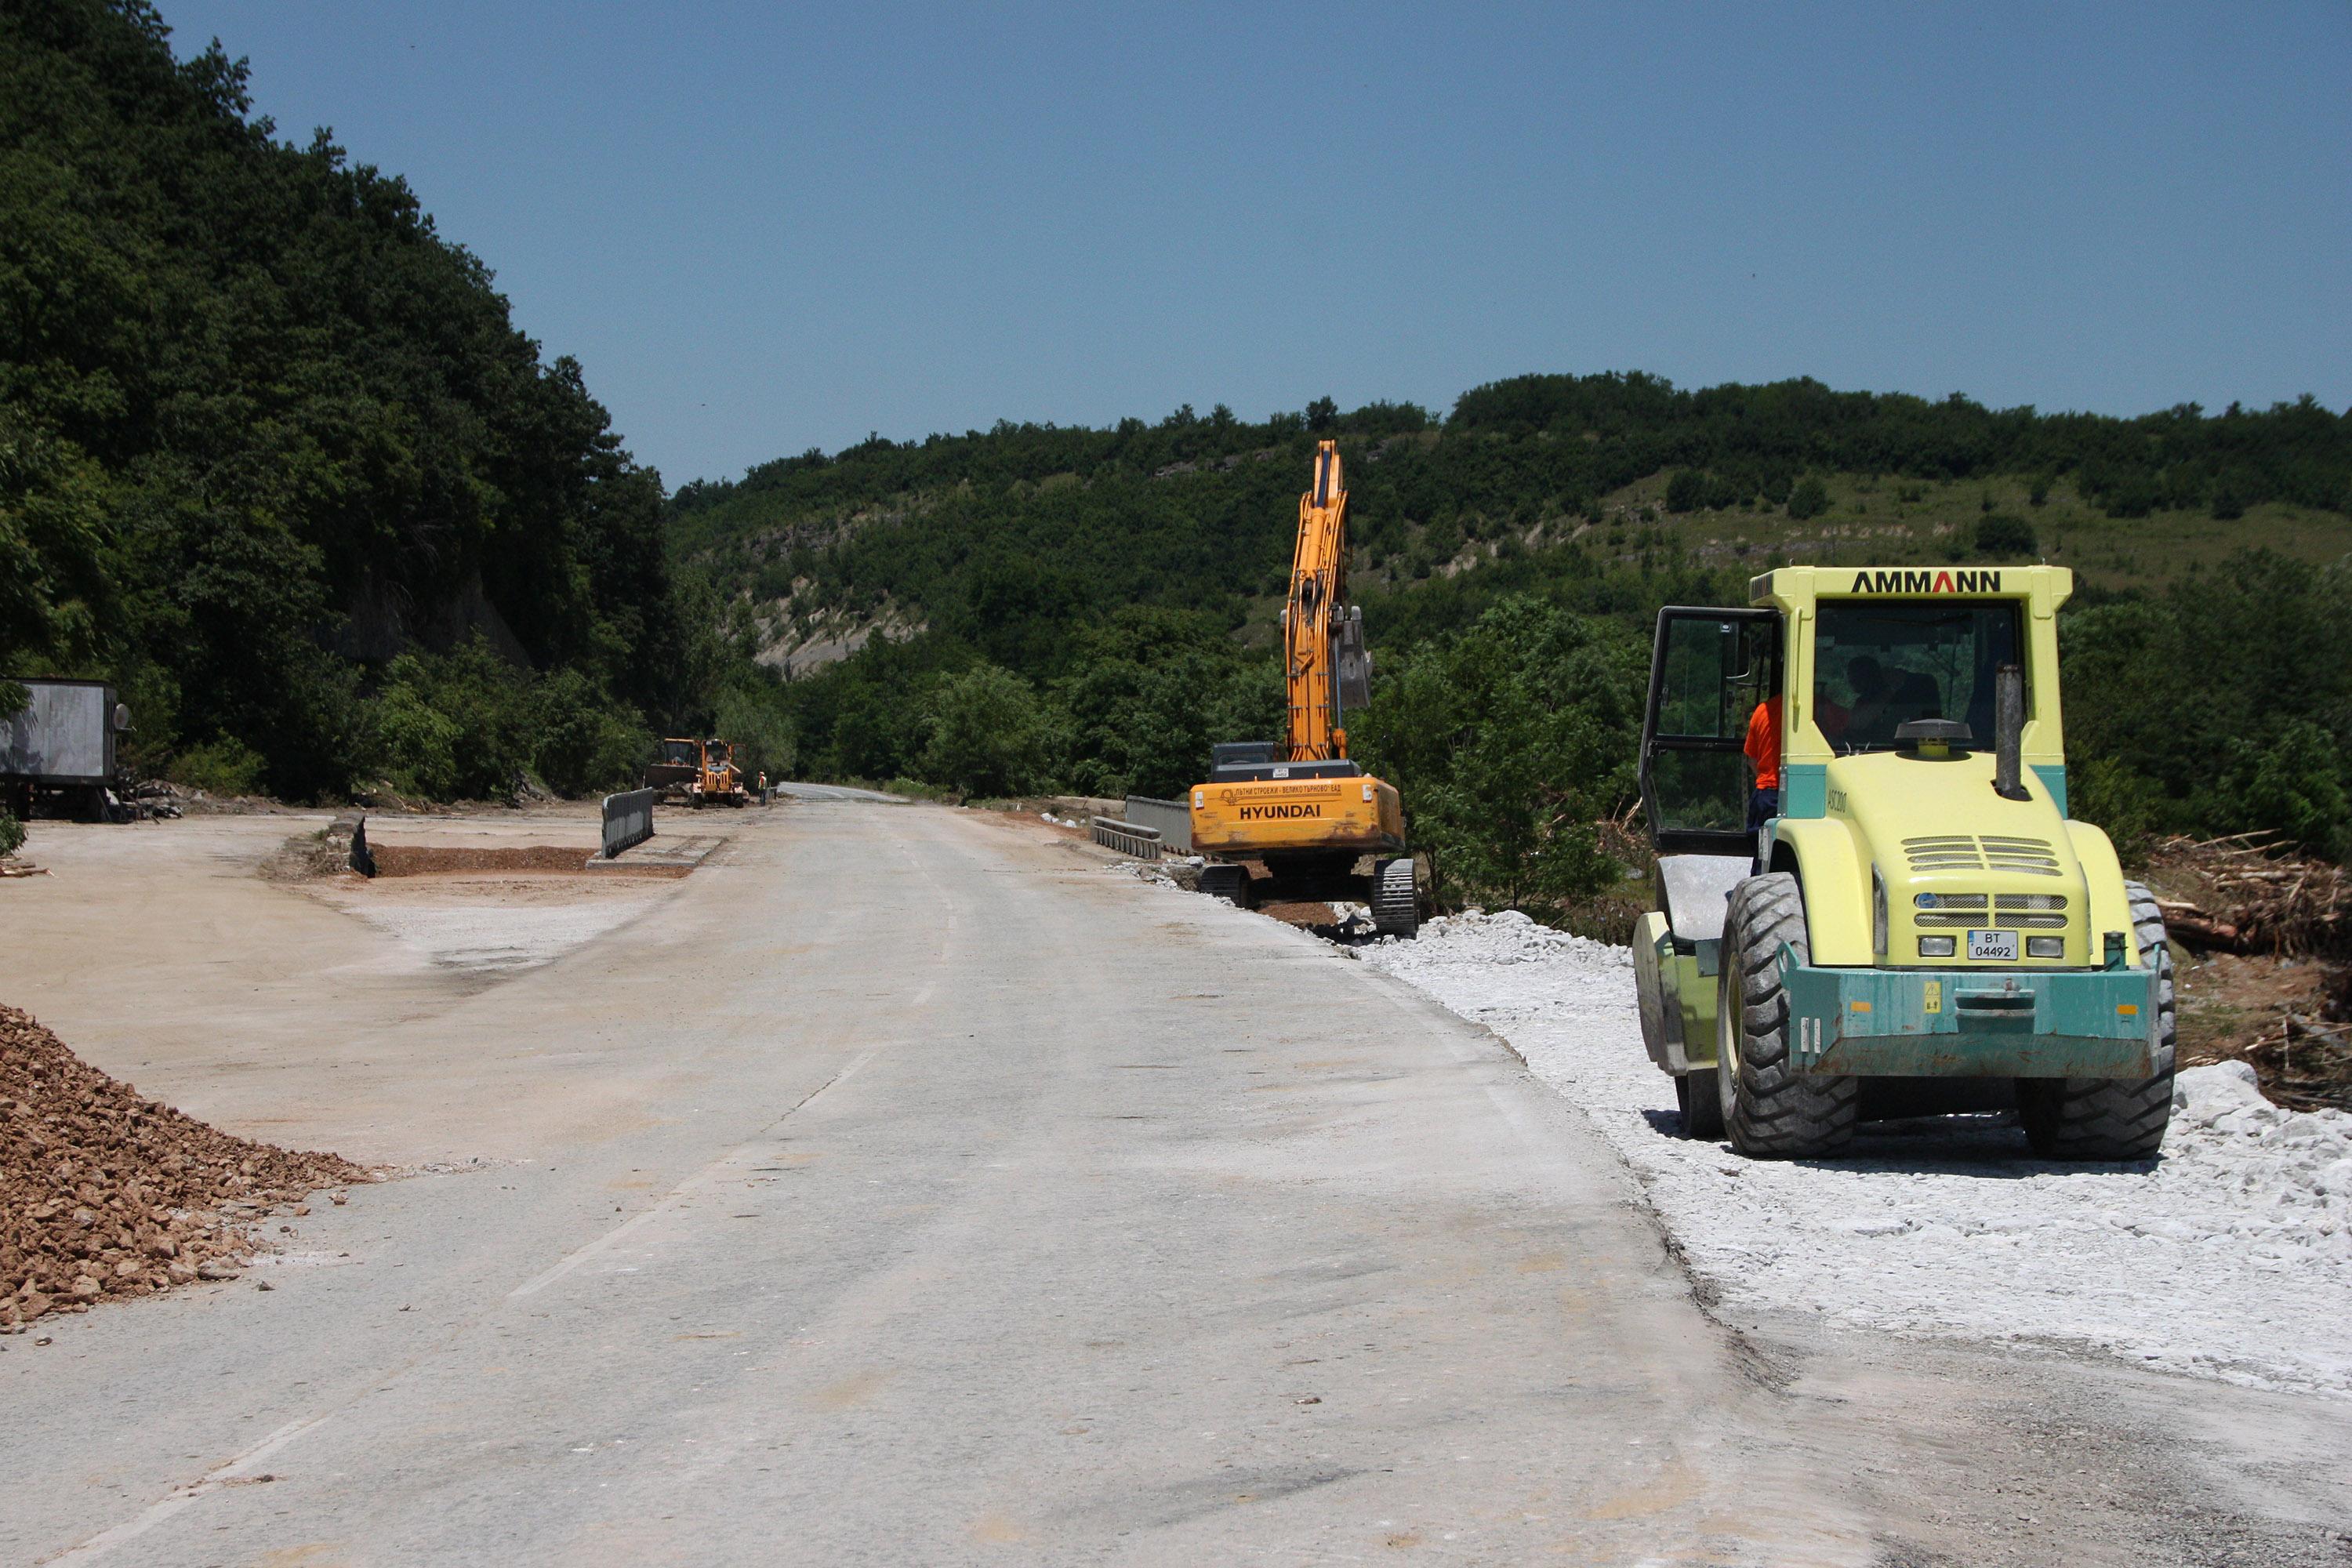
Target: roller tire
point(1396, 902)
point(1771, 1111)
point(2111, 1118)
point(1699, 1097)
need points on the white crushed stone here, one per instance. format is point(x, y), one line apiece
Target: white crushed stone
point(2231, 1259)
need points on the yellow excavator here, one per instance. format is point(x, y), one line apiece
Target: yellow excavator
point(1294, 818)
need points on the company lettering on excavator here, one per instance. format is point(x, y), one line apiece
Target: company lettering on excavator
point(1318, 825)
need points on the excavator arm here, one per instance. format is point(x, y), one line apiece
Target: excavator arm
point(1324, 659)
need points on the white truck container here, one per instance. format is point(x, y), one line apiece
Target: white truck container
point(57, 752)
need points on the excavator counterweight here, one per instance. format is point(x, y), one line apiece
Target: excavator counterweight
point(1295, 818)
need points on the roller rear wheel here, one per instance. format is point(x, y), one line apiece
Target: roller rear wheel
point(2110, 1118)
point(1699, 1097)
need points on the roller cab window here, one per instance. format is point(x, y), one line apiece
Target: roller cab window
point(1881, 663)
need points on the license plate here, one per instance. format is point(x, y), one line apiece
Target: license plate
point(1993, 946)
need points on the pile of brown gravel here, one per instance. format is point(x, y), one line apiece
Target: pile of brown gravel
point(105, 1193)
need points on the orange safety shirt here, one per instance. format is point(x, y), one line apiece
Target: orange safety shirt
point(1763, 746)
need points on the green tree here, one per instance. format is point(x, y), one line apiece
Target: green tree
point(752, 715)
point(263, 429)
point(988, 735)
point(1508, 743)
point(584, 742)
point(1809, 499)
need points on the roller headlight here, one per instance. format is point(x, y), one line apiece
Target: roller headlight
point(2045, 947)
point(1938, 946)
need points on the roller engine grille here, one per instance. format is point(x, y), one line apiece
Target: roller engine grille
point(1967, 852)
point(2006, 920)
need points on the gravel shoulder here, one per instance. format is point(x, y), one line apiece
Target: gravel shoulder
point(2231, 1258)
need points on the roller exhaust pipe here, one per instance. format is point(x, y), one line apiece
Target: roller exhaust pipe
point(2007, 732)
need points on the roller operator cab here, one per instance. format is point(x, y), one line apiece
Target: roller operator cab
point(1913, 923)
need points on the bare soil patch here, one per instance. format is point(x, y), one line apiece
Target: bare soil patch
point(426, 859)
point(106, 1194)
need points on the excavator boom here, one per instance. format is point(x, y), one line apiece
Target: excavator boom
point(1315, 729)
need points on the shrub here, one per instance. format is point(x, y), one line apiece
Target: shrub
point(584, 744)
point(12, 834)
point(2295, 785)
point(755, 722)
point(987, 734)
point(226, 766)
point(2004, 534)
point(419, 742)
point(1809, 499)
point(1687, 491)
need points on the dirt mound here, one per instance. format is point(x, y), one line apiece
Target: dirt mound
point(106, 1194)
point(421, 860)
point(1300, 914)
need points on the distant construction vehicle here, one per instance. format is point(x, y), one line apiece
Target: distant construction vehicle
point(696, 773)
point(1321, 828)
point(722, 782)
point(57, 752)
point(1905, 921)
point(676, 766)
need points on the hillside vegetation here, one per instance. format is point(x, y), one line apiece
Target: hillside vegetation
point(275, 461)
point(1036, 605)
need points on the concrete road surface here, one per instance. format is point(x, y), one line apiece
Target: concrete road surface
point(836, 792)
point(907, 1188)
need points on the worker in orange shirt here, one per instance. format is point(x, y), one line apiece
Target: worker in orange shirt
point(1763, 749)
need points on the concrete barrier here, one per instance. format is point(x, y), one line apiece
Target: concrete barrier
point(1172, 819)
point(1127, 839)
point(629, 820)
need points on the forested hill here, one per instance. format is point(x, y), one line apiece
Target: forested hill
point(1195, 511)
point(1091, 608)
point(275, 458)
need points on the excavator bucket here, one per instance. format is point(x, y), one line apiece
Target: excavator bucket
point(1352, 660)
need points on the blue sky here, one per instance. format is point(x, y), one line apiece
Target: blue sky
point(766, 228)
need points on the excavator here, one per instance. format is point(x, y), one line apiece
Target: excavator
point(1321, 828)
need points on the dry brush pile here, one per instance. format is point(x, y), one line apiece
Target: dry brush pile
point(2249, 895)
point(106, 1194)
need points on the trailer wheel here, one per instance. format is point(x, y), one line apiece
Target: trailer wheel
point(2111, 1118)
point(1771, 1111)
point(1396, 904)
point(1699, 1097)
point(1229, 882)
